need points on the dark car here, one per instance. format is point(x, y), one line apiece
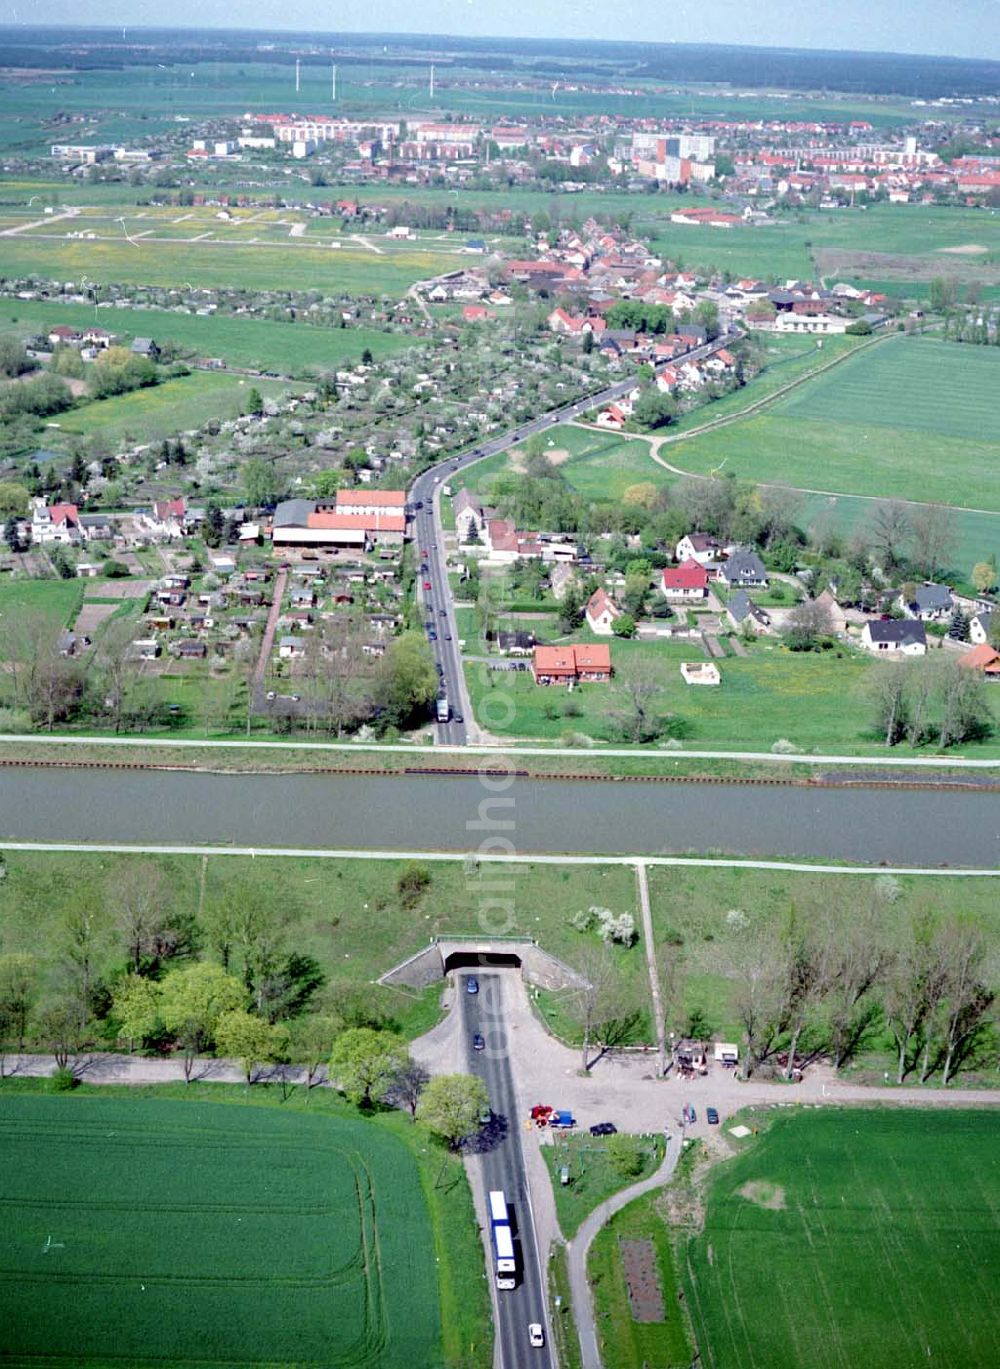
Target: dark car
point(604, 1129)
point(443, 612)
point(457, 718)
point(420, 503)
point(432, 636)
point(713, 1117)
point(447, 636)
point(472, 984)
point(439, 667)
point(478, 1044)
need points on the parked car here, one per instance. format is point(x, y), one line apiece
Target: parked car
point(472, 984)
point(478, 1044)
point(692, 1116)
point(604, 1129)
point(536, 1336)
point(712, 1116)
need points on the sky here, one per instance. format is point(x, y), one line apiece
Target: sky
point(961, 28)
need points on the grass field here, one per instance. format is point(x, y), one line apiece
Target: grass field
point(302, 265)
point(624, 1342)
point(162, 410)
point(816, 700)
point(57, 600)
point(258, 344)
point(850, 1238)
point(197, 1228)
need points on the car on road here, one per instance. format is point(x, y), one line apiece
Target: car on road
point(604, 1129)
point(472, 984)
point(447, 636)
point(432, 635)
point(427, 584)
point(423, 551)
point(712, 1116)
point(457, 718)
point(536, 1336)
point(439, 667)
point(478, 1044)
point(443, 612)
point(420, 504)
point(424, 568)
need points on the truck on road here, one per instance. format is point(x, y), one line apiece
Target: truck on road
point(443, 708)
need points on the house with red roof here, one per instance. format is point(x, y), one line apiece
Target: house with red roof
point(601, 613)
point(569, 665)
point(55, 524)
point(686, 583)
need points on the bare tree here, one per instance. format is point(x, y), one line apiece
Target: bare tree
point(604, 1008)
point(888, 534)
point(965, 711)
point(967, 999)
point(933, 527)
point(631, 708)
point(17, 996)
point(759, 972)
point(889, 692)
point(406, 1086)
point(119, 668)
point(139, 898)
point(913, 990)
point(854, 960)
point(807, 623)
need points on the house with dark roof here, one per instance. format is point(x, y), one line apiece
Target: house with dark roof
point(979, 626)
point(894, 637)
point(744, 614)
point(929, 602)
point(743, 570)
point(698, 546)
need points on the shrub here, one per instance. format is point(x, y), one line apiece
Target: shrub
point(413, 880)
point(63, 1080)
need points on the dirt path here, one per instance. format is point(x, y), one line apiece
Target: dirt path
point(267, 641)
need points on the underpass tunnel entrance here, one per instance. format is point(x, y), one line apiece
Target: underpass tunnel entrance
point(482, 960)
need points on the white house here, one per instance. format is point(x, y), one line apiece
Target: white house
point(291, 649)
point(979, 627)
point(55, 524)
point(698, 546)
point(894, 637)
point(469, 516)
point(601, 613)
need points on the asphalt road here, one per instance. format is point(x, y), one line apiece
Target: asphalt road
point(428, 534)
point(503, 1168)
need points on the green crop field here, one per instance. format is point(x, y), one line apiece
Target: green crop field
point(852, 1238)
point(152, 1232)
point(58, 601)
point(162, 410)
point(258, 344)
point(910, 419)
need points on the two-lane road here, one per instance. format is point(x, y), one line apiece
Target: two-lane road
point(503, 1168)
point(428, 533)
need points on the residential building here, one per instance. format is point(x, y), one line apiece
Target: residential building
point(743, 613)
point(55, 524)
point(698, 546)
point(894, 637)
point(601, 613)
point(979, 626)
point(984, 658)
point(572, 664)
point(469, 516)
point(930, 603)
point(686, 583)
point(362, 519)
point(743, 570)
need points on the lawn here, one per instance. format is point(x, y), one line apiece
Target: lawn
point(258, 344)
point(815, 700)
point(305, 264)
point(692, 925)
point(58, 600)
point(592, 1175)
point(850, 1238)
point(625, 1342)
point(911, 418)
point(162, 410)
point(188, 1230)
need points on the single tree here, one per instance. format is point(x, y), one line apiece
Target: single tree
point(140, 900)
point(191, 1002)
point(363, 1063)
point(135, 1007)
point(244, 1037)
point(255, 404)
point(452, 1104)
point(808, 623)
point(18, 987)
point(407, 1085)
